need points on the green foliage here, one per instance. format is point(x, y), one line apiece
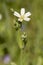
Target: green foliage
point(10, 38)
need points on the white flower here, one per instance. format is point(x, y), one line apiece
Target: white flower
point(0, 16)
point(22, 16)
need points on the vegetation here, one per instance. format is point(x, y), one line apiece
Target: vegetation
point(10, 37)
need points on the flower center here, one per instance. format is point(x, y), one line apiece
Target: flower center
point(22, 17)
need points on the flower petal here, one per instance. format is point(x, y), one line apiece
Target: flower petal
point(22, 11)
point(27, 19)
point(27, 14)
point(20, 20)
point(16, 14)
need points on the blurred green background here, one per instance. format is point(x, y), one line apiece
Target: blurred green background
point(33, 52)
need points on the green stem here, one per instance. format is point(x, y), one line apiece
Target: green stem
point(21, 57)
point(19, 39)
point(20, 43)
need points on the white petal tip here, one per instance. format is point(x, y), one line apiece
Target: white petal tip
point(27, 19)
point(22, 8)
point(22, 11)
point(16, 14)
point(27, 14)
